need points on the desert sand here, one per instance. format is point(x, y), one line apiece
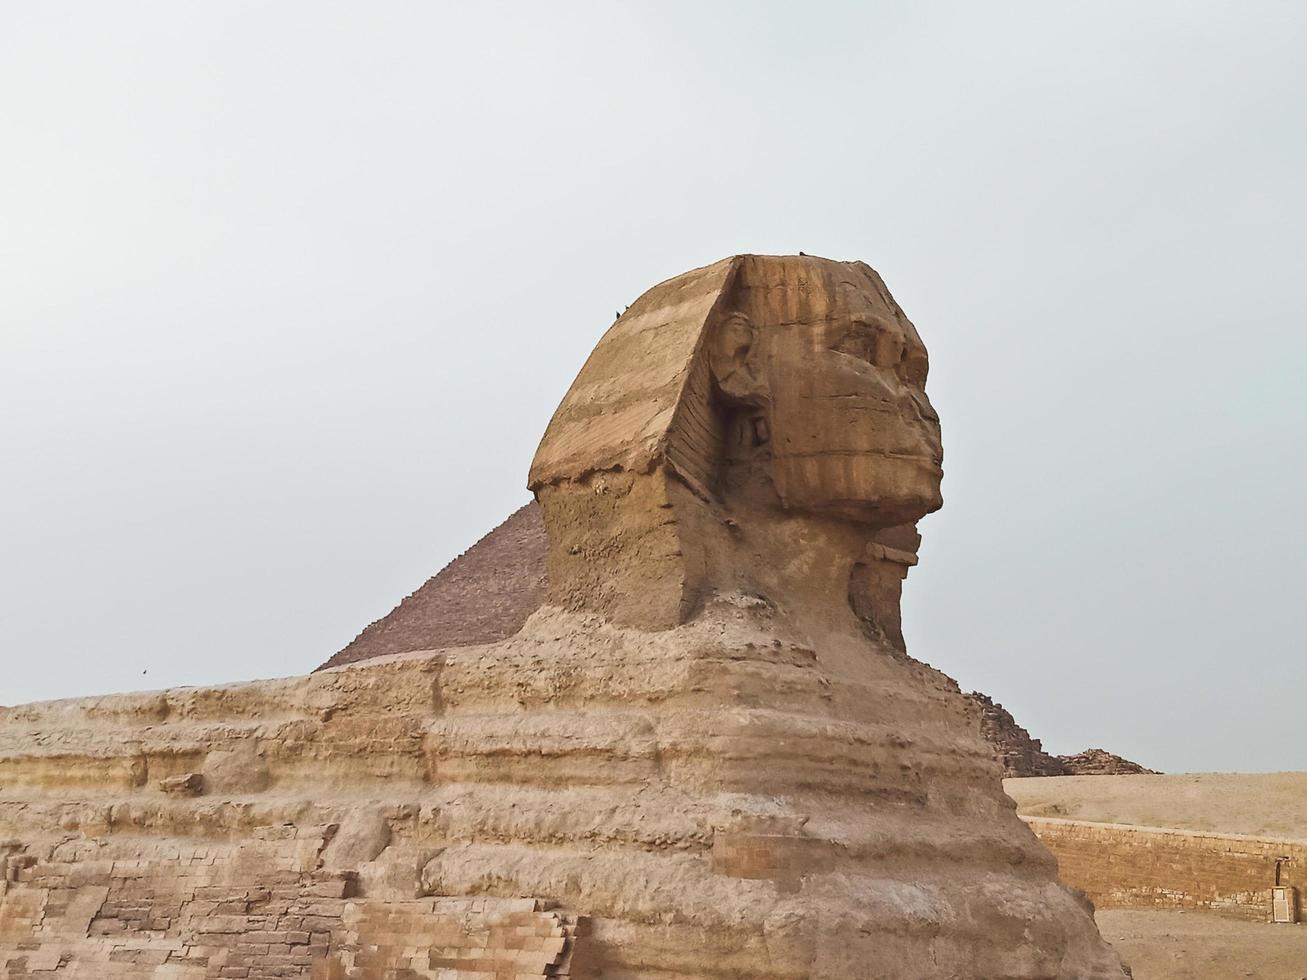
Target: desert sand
point(1201, 946)
point(1257, 804)
point(1172, 945)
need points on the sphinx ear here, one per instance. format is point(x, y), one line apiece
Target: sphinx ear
point(734, 361)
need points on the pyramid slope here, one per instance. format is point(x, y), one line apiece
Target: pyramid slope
point(482, 596)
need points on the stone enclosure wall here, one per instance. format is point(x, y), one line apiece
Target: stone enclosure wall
point(260, 908)
point(1120, 866)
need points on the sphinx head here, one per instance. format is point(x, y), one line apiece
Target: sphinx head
point(761, 388)
point(823, 381)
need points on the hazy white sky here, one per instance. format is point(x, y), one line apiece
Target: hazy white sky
point(289, 291)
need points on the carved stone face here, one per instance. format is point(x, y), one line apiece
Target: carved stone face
point(755, 382)
point(849, 428)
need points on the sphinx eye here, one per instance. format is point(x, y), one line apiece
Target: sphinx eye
point(855, 343)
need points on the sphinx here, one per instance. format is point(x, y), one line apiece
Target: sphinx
point(705, 754)
point(758, 425)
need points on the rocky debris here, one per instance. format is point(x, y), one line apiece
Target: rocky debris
point(1100, 762)
point(187, 784)
point(1020, 754)
point(1023, 756)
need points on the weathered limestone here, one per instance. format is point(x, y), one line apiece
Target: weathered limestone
point(706, 756)
point(760, 392)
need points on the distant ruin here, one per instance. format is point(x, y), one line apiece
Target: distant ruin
point(705, 755)
point(1021, 755)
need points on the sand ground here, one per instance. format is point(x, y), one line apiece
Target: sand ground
point(1167, 945)
point(1260, 804)
point(1203, 946)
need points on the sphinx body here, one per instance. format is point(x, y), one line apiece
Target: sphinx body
point(706, 755)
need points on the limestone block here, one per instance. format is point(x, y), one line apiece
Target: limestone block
point(186, 784)
point(363, 834)
point(239, 769)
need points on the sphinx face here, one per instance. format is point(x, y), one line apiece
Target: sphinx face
point(851, 430)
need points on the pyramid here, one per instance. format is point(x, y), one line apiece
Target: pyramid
point(483, 595)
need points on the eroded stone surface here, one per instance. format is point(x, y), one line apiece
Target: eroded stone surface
point(705, 756)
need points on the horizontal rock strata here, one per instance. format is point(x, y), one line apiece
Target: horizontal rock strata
point(707, 798)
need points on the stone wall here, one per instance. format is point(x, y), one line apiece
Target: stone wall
point(1120, 866)
point(267, 830)
point(260, 908)
point(201, 910)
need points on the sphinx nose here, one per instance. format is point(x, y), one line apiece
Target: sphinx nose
point(915, 404)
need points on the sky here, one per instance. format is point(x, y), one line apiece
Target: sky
point(288, 293)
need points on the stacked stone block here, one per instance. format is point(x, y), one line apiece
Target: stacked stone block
point(261, 910)
point(1120, 866)
point(457, 938)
